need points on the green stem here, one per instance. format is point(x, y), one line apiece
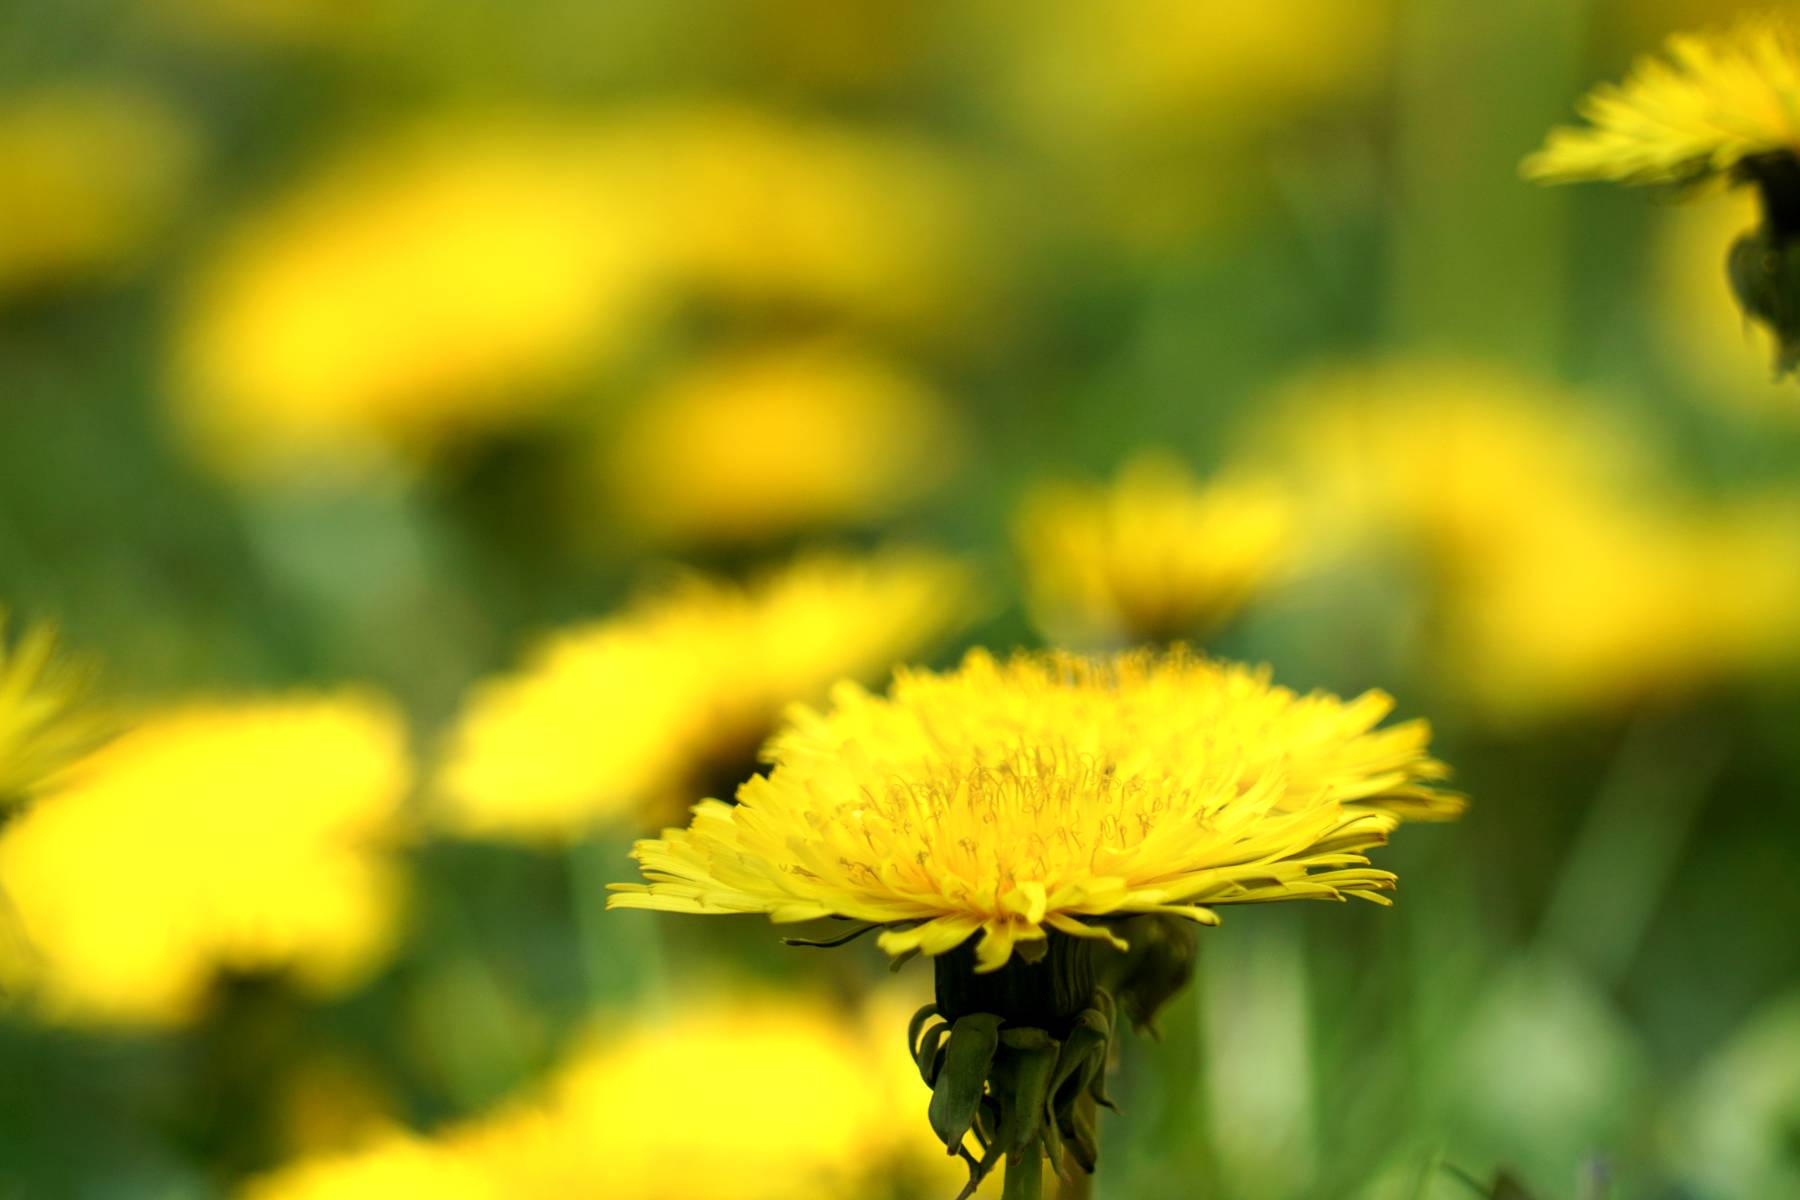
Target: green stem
point(1024, 1175)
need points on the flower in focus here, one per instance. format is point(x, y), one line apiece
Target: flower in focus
point(1153, 557)
point(45, 720)
point(630, 718)
point(432, 288)
point(796, 1106)
point(1714, 102)
point(1050, 793)
point(87, 175)
point(752, 445)
point(244, 838)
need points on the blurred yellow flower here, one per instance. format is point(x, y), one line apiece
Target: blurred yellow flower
point(1712, 102)
point(1049, 793)
point(397, 1167)
point(88, 173)
point(439, 285)
point(240, 837)
point(1561, 570)
point(1152, 557)
point(1613, 604)
point(632, 718)
point(796, 1106)
point(462, 279)
point(751, 445)
point(1433, 453)
point(46, 721)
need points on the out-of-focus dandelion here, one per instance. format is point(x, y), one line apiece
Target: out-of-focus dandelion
point(1612, 605)
point(461, 280)
point(1005, 819)
point(686, 685)
point(442, 285)
point(752, 445)
point(88, 174)
point(47, 718)
point(1716, 106)
point(1153, 557)
point(1592, 588)
point(797, 1106)
point(244, 838)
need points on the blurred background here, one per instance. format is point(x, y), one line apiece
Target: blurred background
point(450, 435)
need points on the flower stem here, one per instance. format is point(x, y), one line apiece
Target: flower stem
point(1024, 1175)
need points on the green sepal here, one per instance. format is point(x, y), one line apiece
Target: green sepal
point(961, 1077)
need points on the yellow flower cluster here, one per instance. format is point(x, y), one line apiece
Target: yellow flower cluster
point(46, 721)
point(1153, 557)
point(630, 718)
point(87, 174)
point(249, 837)
point(750, 445)
point(751, 1099)
point(1049, 793)
point(465, 278)
point(1714, 101)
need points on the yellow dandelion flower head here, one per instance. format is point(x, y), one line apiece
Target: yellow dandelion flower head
point(87, 174)
point(1711, 102)
point(1154, 556)
point(1049, 793)
point(45, 720)
point(751, 445)
point(440, 284)
point(625, 718)
point(243, 837)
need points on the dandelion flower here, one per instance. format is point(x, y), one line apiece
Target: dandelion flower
point(88, 174)
point(248, 837)
point(752, 445)
point(1051, 793)
point(45, 720)
point(1725, 105)
point(1714, 102)
point(1153, 557)
point(685, 684)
